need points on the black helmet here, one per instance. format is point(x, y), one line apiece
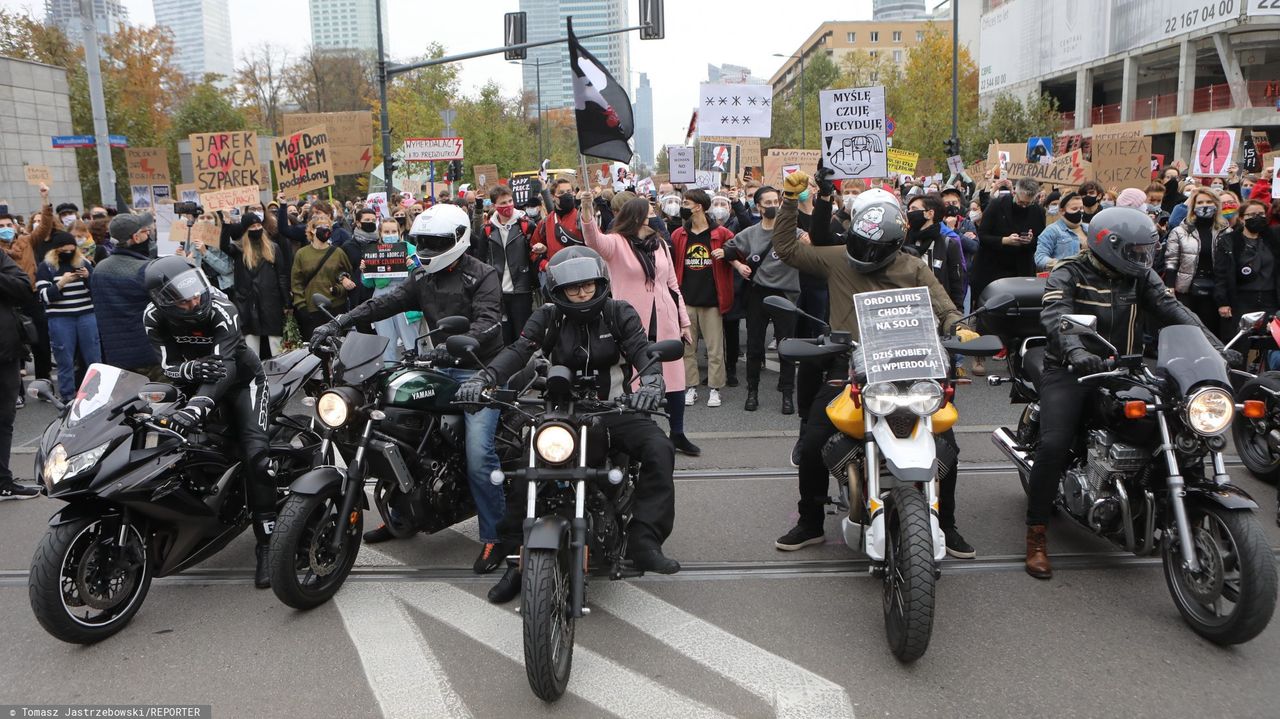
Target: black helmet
point(574, 266)
point(173, 284)
point(1124, 239)
point(876, 233)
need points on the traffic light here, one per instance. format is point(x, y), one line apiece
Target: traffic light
point(455, 170)
point(392, 166)
point(651, 17)
point(515, 32)
point(953, 146)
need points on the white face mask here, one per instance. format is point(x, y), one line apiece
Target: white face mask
point(848, 203)
point(1216, 186)
point(1053, 209)
point(68, 220)
point(671, 208)
point(719, 213)
point(975, 215)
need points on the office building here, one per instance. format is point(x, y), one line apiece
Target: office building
point(731, 75)
point(35, 105)
point(642, 108)
point(1151, 61)
point(201, 33)
point(348, 25)
point(547, 22)
point(836, 39)
point(107, 14)
point(887, 10)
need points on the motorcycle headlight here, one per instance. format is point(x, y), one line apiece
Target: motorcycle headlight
point(880, 398)
point(55, 465)
point(554, 443)
point(924, 398)
point(333, 410)
point(1209, 411)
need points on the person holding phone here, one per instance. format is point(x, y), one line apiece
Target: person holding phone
point(1006, 235)
point(62, 283)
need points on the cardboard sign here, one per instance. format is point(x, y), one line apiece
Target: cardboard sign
point(898, 329)
point(225, 159)
point(387, 261)
point(302, 161)
point(140, 197)
point(166, 224)
point(955, 164)
point(486, 177)
point(147, 165)
point(160, 194)
point(681, 163)
point(1000, 154)
point(185, 236)
point(350, 137)
point(187, 193)
point(661, 178)
point(1069, 170)
point(229, 198)
point(1157, 162)
point(1213, 152)
point(853, 132)
point(37, 175)
point(736, 110)
point(751, 156)
point(430, 149)
point(1121, 162)
point(806, 160)
point(902, 162)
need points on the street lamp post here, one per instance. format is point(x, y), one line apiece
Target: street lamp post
point(799, 57)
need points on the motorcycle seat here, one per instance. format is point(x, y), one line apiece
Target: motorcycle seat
point(1033, 364)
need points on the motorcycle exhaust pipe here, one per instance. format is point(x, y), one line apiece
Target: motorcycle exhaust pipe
point(1003, 439)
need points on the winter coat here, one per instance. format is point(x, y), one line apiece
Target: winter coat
point(488, 247)
point(721, 272)
point(122, 295)
point(1057, 242)
point(262, 294)
point(23, 248)
point(1227, 266)
point(15, 292)
point(1182, 253)
point(997, 260)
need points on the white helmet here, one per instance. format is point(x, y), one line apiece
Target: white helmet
point(872, 196)
point(441, 234)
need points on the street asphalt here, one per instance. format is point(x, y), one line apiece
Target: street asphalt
point(745, 631)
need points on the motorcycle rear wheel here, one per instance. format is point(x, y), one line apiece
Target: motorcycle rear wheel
point(909, 577)
point(65, 567)
point(304, 573)
point(1231, 600)
point(1255, 453)
point(548, 626)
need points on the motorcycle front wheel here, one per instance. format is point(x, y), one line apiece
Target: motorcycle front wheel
point(1231, 598)
point(908, 574)
point(1251, 442)
point(305, 572)
point(83, 586)
point(548, 627)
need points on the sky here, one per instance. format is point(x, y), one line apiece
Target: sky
point(698, 32)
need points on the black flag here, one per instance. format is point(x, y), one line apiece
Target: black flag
point(601, 106)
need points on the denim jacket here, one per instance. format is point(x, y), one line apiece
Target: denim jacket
point(1057, 242)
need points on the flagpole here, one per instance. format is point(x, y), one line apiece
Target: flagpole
point(582, 168)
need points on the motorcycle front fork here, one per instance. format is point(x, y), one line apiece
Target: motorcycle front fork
point(1177, 494)
point(874, 539)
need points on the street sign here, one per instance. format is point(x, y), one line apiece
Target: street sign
point(428, 149)
point(889, 127)
point(118, 140)
point(83, 141)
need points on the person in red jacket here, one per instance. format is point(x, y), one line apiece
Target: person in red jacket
point(707, 285)
point(558, 230)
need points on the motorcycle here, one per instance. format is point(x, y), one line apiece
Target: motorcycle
point(391, 421)
point(1256, 430)
point(884, 460)
point(579, 505)
point(1137, 476)
point(144, 500)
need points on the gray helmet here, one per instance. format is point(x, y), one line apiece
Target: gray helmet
point(574, 266)
point(1124, 239)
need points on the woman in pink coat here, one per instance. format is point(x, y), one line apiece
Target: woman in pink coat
point(642, 273)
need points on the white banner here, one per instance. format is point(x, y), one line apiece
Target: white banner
point(425, 149)
point(680, 162)
point(1262, 7)
point(853, 132)
point(708, 180)
point(735, 110)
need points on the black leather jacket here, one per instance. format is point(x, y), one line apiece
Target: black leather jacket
point(1077, 286)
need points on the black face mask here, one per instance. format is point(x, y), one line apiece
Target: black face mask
point(1073, 217)
point(255, 235)
point(66, 256)
point(368, 226)
point(322, 234)
point(565, 203)
point(1089, 200)
point(686, 213)
point(1256, 225)
point(400, 221)
point(769, 213)
point(915, 219)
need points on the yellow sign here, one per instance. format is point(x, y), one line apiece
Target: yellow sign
point(902, 162)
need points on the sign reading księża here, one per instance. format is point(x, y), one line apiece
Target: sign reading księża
point(427, 149)
point(853, 132)
point(899, 332)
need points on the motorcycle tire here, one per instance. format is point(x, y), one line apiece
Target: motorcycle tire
point(303, 527)
point(548, 626)
point(1228, 542)
point(909, 577)
point(1252, 447)
point(50, 588)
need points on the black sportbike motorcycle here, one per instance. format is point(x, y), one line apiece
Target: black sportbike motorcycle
point(143, 500)
point(1138, 476)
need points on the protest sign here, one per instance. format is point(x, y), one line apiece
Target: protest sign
point(660, 178)
point(165, 223)
point(680, 161)
point(645, 187)
point(140, 197)
point(736, 110)
point(1120, 162)
point(229, 198)
point(898, 329)
point(902, 162)
point(427, 149)
point(350, 137)
point(708, 180)
point(955, 164)
point(302, 161)
point(37, 175)
point(853, 132)
point(1040, 149)
point(160, 193)
point(1068, 170)
point(716, 156)
point(378, 201)
point(750, 148)
point(147, 165)
point(1000, 154)
point(486, 177)
point(225, 159)
point(1250, 160)
point(598, 174)
point(1213, 152)
point(1275, 178)
point(774, 160)
point(184, 236)
point(522, 190)
point(187, 193)
point(387, 261)
point(1157, 162)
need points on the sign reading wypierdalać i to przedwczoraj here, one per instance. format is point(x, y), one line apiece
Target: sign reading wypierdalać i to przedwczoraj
point(736, 110)
point(853, 132)
point(303, 161)
point(225, 159)
point(427, 149)
point(898, 334)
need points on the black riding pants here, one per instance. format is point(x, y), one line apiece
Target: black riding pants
point(1062, 402)
point(516, 310)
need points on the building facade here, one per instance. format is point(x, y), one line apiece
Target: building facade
point(547, 21)
point(348, 25)
point(35, 106)
point(835, 39)
point(107, 15)
point(642, 108)
point(201, 33)
point(1174, 65)
point(887, 10)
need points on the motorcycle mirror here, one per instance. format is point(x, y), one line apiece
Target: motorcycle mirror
point(42, 389)
point(780, 303)
point(453, 325)
point(1252, 321)
point(667, 350)
point(321, 301)
point(999, 302)
point(461, 346)
point(1074, 325)
point(158, 393)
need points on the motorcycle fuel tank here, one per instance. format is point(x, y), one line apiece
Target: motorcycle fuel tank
point(423, 390)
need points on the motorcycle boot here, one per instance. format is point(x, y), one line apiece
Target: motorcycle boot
point(508, 587)
point(653, 560)
point(263, 525)
point(379, 535)
point(1037, 552)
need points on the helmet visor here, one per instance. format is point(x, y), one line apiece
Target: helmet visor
point(868, 251)
point(574, 271)
point(186, 286)
point(433, 245)
point(1141, 255)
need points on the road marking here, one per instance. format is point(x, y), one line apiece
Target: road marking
point(793, 691)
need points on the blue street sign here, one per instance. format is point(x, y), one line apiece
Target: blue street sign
point(73, 141)
point(118, 140)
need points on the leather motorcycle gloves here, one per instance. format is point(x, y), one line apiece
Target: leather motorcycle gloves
point(965, 335)
point(650, 395)
point(439, 356)
point(325, 332)
point(202, 370)
point(826, 188)
point(1083, 362)
point(185, 420)
point(472, 390)
point(1234, 359)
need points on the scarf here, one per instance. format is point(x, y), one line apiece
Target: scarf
point(645, 252)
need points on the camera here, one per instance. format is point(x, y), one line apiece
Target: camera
point(187, 208)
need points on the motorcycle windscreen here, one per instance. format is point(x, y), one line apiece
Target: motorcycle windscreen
point(360, 357)
point(104, 389)
point(1188, 359)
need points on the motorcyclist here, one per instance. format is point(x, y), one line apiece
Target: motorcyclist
point(586, 330)
point(1113, 280)
point(195, 331)
point(450, 281)
point(870, 259)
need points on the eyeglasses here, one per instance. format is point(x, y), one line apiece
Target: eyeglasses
point(1247, 215)
point(583, 288)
